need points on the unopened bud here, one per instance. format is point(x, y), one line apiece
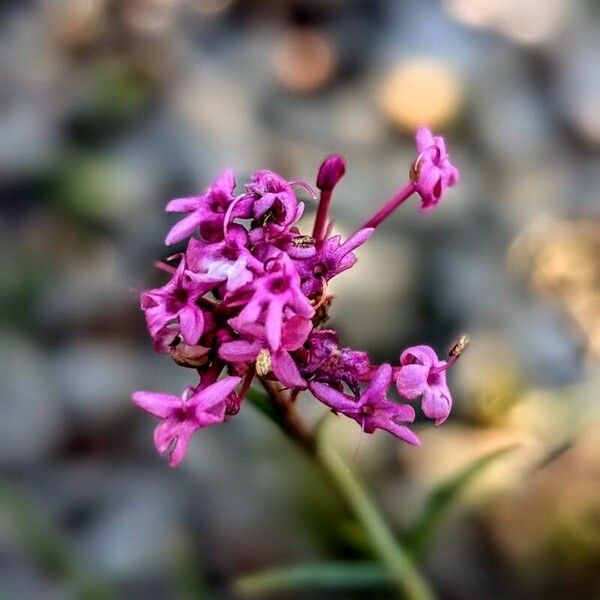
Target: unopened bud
point(331, 171)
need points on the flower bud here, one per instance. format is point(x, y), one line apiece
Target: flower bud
point(331, 171)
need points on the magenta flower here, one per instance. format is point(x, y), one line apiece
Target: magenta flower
point(432, 171)
point(228, 261)
point(372, 410)
point(176, 301)
point(275, 204)
point(277, 296)
point(181, 417)
point(253, 342)
point(421, 373)
point(331, 259)
point(207, 212)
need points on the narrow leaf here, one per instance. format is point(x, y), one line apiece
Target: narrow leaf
point(335, 576)
point(422, 531)
point(390, 551)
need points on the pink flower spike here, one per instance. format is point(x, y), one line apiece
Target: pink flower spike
point(423, 374)
point(182, 416)
point(372, 410)
point(432, 171)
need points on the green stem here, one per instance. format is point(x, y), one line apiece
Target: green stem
point(398, 563)
point(401, 569)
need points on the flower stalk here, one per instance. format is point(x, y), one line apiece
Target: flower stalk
point(401, 569)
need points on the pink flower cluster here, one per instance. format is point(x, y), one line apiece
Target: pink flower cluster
point(248, 297)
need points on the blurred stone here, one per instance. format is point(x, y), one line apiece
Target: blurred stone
point(95, 379)
point(421, 91)
point(32, 419)
point(304, 60)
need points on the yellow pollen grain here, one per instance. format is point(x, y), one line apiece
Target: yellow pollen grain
point(263, 363)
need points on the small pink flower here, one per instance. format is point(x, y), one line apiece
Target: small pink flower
point(331, 259)
point(228, 261)
point(422, 374)
point(182, 416)
point(253, 340)
point(275, 296)
point(274, 202)
point(176, 301)
point(207, 212)
point(432, 172)
point(372, 410)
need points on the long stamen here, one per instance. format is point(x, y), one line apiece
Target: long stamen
point(305, 186)
point(159, 264)
point(229, 212)
point(415, 169)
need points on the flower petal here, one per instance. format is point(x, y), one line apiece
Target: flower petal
point(436, 404)
point(423, 139)
point(183, 228)
point(378, 386)
point(156, 403)
point(213, 394)
point(274, 323)
point(183, 204)
point(295, 332)
point(411, 380)
point(336, 400)
point(286, 371)
point(191, 322)
point(240, 351)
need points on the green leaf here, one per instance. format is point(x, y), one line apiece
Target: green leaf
point(435, 507)
point(335, 576)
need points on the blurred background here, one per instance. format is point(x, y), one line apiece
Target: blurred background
point(109, 108)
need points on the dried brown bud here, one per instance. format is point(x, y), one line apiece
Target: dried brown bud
point(459, 347)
